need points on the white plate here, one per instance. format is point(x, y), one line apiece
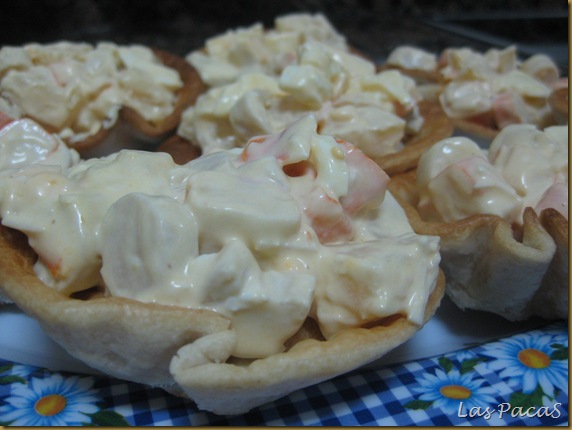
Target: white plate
point(23, 341)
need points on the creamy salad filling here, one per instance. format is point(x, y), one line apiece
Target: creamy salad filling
point(350, 99)
point(75, 89)
point(524, 167)
point(493, 88)
point(295, 225)
point(255, 49)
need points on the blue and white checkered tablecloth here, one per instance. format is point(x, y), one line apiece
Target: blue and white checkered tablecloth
point(521, 380)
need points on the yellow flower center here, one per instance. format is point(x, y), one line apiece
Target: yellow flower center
point(50, 405)
point(457, 392)
point(534, 358)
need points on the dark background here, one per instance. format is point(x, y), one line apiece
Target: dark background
point(373, 26)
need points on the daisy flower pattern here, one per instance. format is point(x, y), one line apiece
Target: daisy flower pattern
point(50, 401)
point(448, 390)
point(14, 373)
point(533, 361)
point(479, 385)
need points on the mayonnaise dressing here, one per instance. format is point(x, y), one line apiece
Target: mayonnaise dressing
point(297, 225)
point(254, 49)
point(492, 88)
point(524, 167)
point(25, 142)
point(375, 111)
point(498, 84)
point(75, 89)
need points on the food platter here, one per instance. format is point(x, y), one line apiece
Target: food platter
point(461, 354)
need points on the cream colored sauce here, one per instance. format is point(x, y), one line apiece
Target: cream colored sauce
point(524, 167)
point(492, 88)
point(295, 225)
point(24, 142)
point(76, 89)
point(498, 84)
point(254, 49)
point(375, 111)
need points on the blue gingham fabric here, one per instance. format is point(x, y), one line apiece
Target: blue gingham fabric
point(521, 380)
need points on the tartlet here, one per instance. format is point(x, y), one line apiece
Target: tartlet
point(121, 122)
point(491, 269)
point(482, 92)
point(150, 343)
point(496, 257)
point(261, 80)
point(180, 282)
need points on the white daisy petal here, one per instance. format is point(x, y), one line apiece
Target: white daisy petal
point(545, 384)
point(529, 382)
point(23, 407)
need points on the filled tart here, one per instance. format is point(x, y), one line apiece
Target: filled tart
point(233, 279)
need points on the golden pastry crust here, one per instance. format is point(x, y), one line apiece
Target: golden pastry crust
point(220, 386)
point(555, 284)
point(122, 337)
point(185, 351)
point(180, 149)
point(490, 265)
point(473, 128)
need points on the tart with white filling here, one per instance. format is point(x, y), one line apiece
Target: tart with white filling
point(83, 92)
point(273, 77)
point(483, 92)
point(234, 279)
point(502, 216)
